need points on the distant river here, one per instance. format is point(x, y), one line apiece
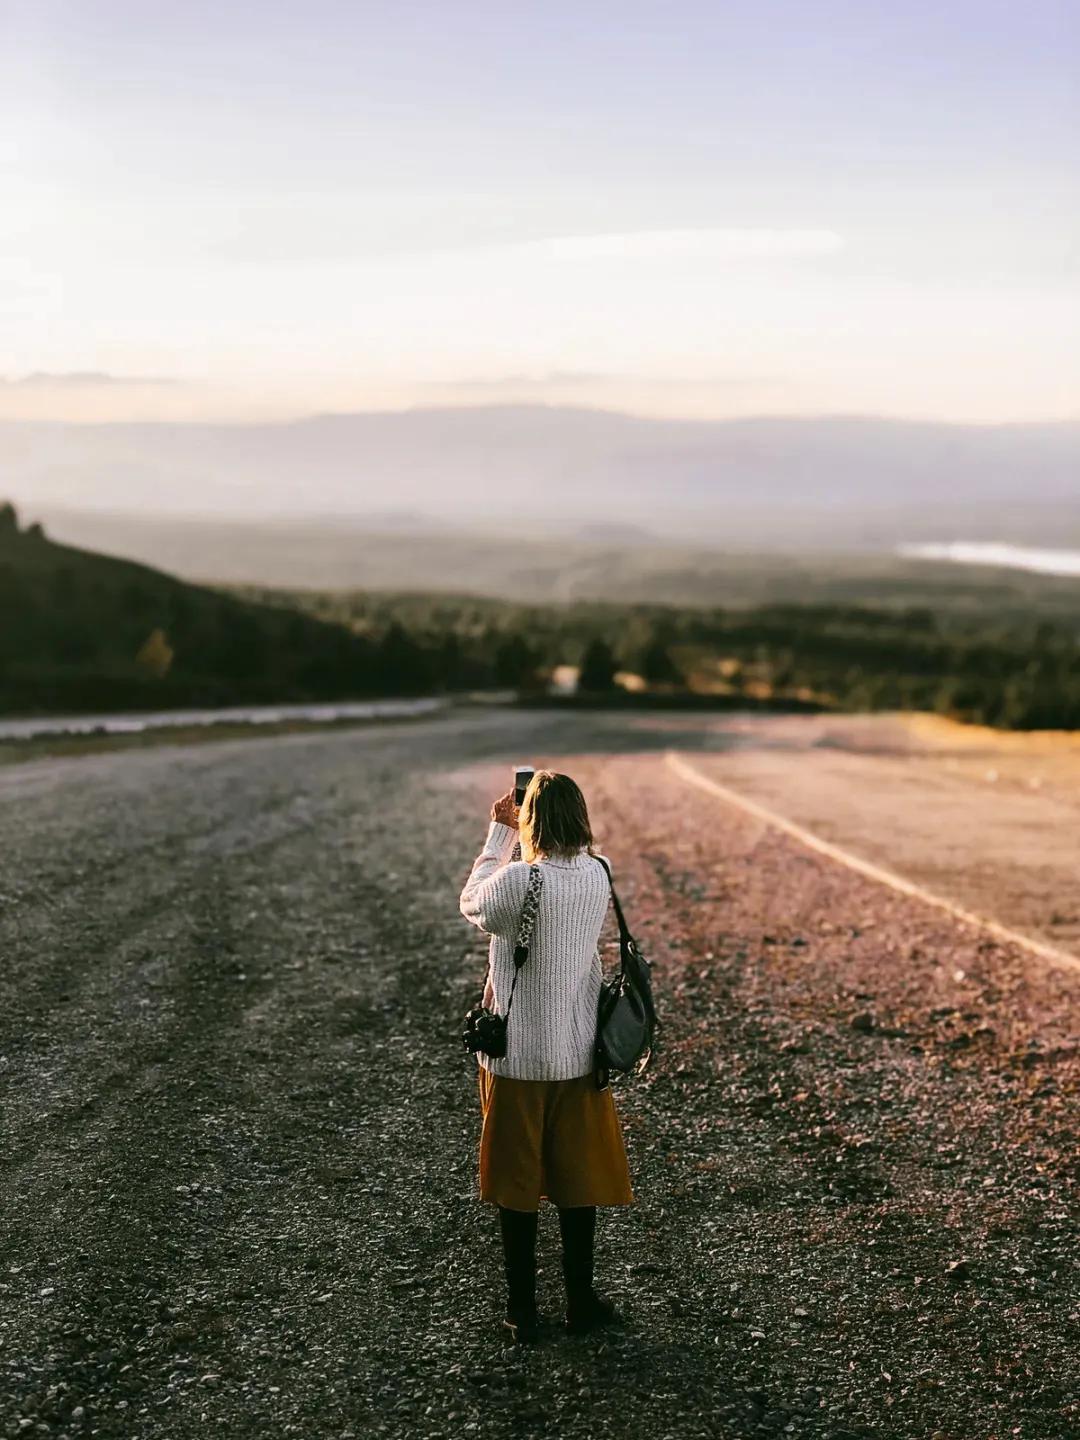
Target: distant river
point(132, 723)
point(1014, 557)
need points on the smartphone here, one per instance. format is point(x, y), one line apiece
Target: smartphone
point(522, 775)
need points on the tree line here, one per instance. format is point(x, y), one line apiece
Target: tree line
point(81, 632)
point(1007, 670)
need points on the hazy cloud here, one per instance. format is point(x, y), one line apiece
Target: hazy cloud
point(703, 244)
point(590, 379)
point(81, 379)
point(520, 382)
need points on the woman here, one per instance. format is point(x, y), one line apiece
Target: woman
point(548, 1132)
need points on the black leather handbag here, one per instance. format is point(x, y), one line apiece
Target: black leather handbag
point(626, 1019)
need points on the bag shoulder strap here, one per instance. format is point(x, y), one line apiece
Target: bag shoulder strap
point(624, 930)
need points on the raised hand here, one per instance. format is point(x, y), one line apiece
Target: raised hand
point(504, 810)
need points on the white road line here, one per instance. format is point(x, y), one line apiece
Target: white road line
point(1046, 952)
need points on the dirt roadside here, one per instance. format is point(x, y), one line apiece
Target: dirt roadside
point(986, 819)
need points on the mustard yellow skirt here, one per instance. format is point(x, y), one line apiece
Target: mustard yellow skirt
point(558, 1140)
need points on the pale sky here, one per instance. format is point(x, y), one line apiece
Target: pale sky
point(682, 208)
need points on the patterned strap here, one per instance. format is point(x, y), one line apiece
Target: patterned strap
point(525, 928)
point(529, 908)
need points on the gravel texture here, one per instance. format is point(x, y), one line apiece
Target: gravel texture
point(238, 1186)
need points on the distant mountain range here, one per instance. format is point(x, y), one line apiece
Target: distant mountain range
point(536, 470)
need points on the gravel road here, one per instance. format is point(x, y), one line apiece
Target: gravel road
point(238, 1174)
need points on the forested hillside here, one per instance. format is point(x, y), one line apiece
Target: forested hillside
point(994, 667)
point(83, 632)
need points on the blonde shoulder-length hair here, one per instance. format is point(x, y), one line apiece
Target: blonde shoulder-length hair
point(554, 820)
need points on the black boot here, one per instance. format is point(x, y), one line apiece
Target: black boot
point(518, 1229)
point(585, 1310)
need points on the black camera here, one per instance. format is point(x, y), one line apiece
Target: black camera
point(485, 1032)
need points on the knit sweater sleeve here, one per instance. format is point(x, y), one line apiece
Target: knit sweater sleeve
point(495, 890)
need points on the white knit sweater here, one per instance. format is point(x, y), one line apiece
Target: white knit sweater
point(552, 1027)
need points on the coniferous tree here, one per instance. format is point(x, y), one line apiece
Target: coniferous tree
point(514, 661)
point(597, 667)
point(656, 665)
point(403, 665)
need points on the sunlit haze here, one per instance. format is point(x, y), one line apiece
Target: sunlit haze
point(684, 209)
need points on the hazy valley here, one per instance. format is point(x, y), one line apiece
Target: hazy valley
point(538, 471)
